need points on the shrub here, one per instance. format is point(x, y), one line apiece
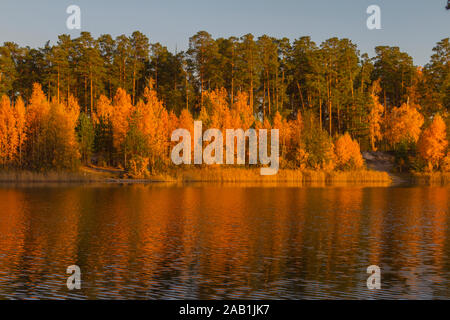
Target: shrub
point(137, 168)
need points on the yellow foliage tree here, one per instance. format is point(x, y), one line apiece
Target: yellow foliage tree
point(217, 108)
point(445, 163)
point(36, 118)
point(20, 115)
point(187, 122)
point(120, 117)
point(61, 146)
point(348, 153)
point(433, 142)
point(243, 110)
point(104, 108)
point(154, 125)
point(404, 125)
point(8, 133)
point(72, 109)
point(375, 120)
point(283, 132)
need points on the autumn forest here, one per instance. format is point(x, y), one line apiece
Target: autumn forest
point(115, 102)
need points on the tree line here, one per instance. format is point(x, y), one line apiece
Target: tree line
point(380, 102)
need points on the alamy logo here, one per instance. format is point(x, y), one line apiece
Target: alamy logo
point(213, 153)
point(74, 20)
point(374, 20)
point(74, 281)
point(374, 280)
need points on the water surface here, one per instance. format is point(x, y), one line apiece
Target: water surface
point(232, 241)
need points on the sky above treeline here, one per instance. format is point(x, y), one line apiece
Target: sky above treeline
point(413, 25)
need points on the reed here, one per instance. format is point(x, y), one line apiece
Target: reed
point(235, 175)
point(358, 176)
point(432, 178)
point(49, 176)
point(284, 175)
point(204, 174)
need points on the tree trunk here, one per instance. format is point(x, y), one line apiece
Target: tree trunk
point(85, 94)
point(134, 83)
point(57, 94)
point(92, 96)
point(301, 96)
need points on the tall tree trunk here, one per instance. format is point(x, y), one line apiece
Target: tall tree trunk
point(320, 112)
point(85, 94)
point(251, 81)
point(339, 118)
point(57, 91)
point(301, 96)
point(92, 95)
point(187, 93)
point(268, 90)
point(68, 86)
point(201, 91)
point(232, 76)
point(134, 83)
point(264, 101)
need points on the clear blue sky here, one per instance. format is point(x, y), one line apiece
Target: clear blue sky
point(413, 25)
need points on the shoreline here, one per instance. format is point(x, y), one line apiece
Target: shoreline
point(94, 175)
point(197, 175)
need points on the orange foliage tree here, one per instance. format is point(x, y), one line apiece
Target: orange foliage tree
point(375, 121)
point(242, 110)
point(217, 108)
point(404, 125)
point(49, 129)
point(154, 125)
point(120, 116)
point(294, 149)
point(20, 114)
point(8, 133)
point(348, 154)
point(433, 142)
point(61, 146)
point(36, 118)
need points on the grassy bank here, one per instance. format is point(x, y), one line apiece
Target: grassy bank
point(234, 175)
point(49, 176)
point(432, 178)
point(253, 175)
point(358, 176)
point(214, 174)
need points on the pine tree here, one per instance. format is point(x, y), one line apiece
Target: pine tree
point(86, 136)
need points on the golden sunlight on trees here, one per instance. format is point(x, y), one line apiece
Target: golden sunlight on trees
point(9, 139)
point(60, 143)
point(37, 116)
point(122, 109)
point(403, 125)
point(40, 135)
point(375, 120)
point(348, 154)
point(20, 114)
point(243, 111)
point(216, 106)
point(154, 124)
point(433, 143)
point(123, 97)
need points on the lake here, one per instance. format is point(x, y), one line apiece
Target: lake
point(224, 241)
